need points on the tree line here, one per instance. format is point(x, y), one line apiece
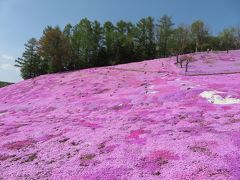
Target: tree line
point(90, 44)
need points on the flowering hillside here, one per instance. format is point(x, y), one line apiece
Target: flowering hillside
point(145, 120)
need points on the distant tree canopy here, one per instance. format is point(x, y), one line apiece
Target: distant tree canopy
point(90, 44)
point(3, 84)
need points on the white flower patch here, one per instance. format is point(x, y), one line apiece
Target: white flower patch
point(151, 90)
point(215, 98)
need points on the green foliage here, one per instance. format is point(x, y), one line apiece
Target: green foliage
point(165, 30)
point(90, 44)
point(182, 39)
point(124, 42)
point(31, 64)
point(3, 84)
point(54, 47)
point(237, 36)
point(109, 42)
point(200, 33)
point(145, 38)
point(227, 39)
point(86, 42)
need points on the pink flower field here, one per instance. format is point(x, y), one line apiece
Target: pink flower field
point(145, 120)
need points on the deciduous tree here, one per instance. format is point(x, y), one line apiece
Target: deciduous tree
point(55, 48)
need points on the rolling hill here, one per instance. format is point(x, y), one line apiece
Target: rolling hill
point(145, 120)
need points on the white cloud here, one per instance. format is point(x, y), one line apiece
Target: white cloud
point(5, 58)
point(7, 67)
point(7, 62)
point(8, 72)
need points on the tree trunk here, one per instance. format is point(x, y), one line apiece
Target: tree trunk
point(186, 70)
point(196, 48)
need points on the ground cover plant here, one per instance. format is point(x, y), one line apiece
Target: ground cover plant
point(144, 120)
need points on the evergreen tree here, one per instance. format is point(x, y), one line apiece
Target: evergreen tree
point(88, 44)
point(124, 43)
point(237, 36)
point(164, 30)
point(227, 39)
point(109, 40)
point(98, 54)
point(31, 64)
point(72, 62)
point(213, 42)
point(83, 43)
point(145, 38)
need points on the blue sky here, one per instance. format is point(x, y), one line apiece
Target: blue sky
point(22, 19)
